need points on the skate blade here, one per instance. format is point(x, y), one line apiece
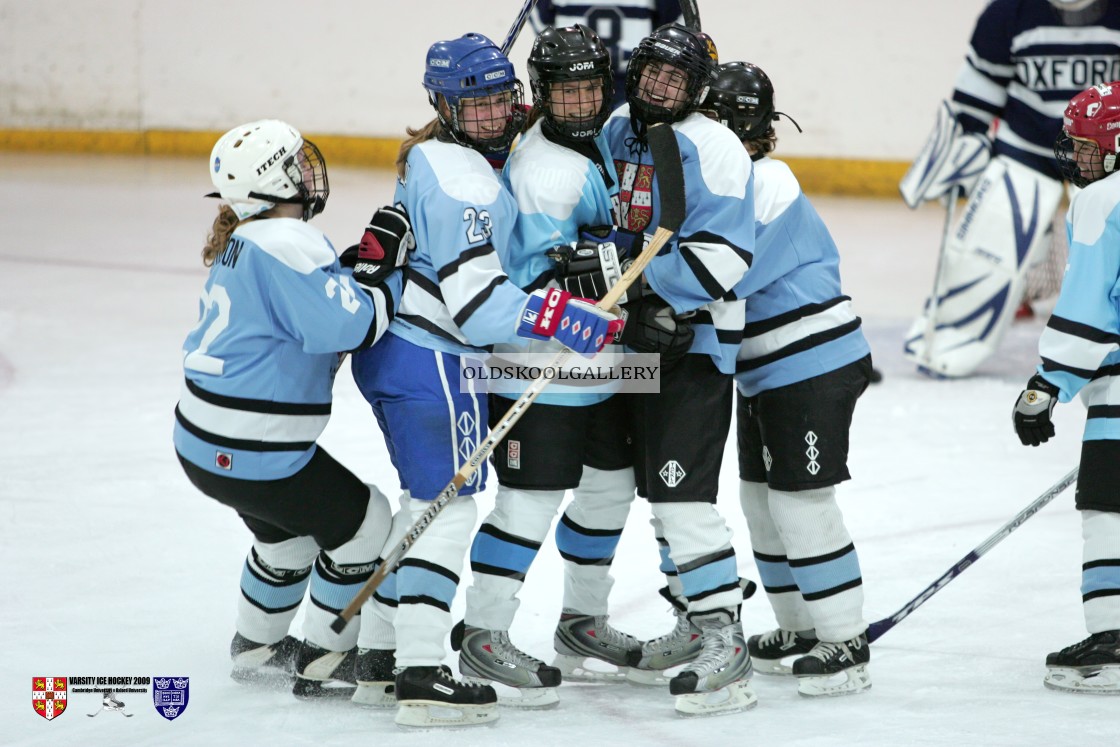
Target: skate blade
point(735, 698)
point(576, 668)
point(375, 694)
point(306, 689)
point(1103, 681)
point(269, 679)
point(774, 667)
point(848, 682)
point(428, 714)
point(537, 698)
point(649, 677)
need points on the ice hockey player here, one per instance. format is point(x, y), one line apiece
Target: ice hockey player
point(1027, 59)
point(1080, 351)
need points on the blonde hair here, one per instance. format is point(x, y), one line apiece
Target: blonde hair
point(224, 225)
point(415, 137)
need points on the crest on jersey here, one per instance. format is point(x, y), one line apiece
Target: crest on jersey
point(48, 696)
point(170, 695)
point(635, 195)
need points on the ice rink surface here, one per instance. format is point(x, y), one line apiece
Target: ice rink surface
point(115, 566)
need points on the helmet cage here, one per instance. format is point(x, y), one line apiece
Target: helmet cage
point(680, 47)
point(1089, 141)
point(571, 54)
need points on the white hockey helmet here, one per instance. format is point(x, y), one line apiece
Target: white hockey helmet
point(259, 164)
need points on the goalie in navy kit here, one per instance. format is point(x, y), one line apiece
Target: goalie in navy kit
point(680, 433)
point(563, 179)
point(1027, 59)
point(275, 314)
point(1080, 350)
point(458, 300)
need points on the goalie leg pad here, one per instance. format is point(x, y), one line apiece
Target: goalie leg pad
point(984, 268)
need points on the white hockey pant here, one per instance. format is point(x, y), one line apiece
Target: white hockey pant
point(1004, 228)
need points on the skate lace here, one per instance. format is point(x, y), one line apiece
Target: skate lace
point(786, 637)
point(501, 646)
point(825, 650)
point(716, 649)
point(682, 630)
point(607, 634)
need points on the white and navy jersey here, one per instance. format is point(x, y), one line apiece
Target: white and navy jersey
point(558, 190)
point(1023, 67)
point(1080, 347)
point(275, 313)
point(703, 268)
point(458, 298)
point(621, 24)
point(799, 324)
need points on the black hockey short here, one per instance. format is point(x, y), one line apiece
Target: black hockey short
point(548, 447)
point(324, 500)
point(679, 435)
point(1098, 481)
point(795, 437)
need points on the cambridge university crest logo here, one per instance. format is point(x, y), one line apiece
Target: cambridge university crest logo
point(48, 696)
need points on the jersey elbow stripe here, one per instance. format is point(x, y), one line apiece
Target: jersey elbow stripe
point(470, 255)
point(464, 314)
point(1051, 365)
point(1084, 331)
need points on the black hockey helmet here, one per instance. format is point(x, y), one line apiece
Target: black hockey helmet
point(675, 45)
point(742, 97)
point(572, 53)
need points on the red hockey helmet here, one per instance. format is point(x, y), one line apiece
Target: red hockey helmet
point(1087, 147)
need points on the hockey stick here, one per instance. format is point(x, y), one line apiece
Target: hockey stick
point(518, 24)
point(876, 630)
point(670, 178)
point(691, 14)
point(931, 307)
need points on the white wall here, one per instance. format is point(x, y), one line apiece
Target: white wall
point(862, 77)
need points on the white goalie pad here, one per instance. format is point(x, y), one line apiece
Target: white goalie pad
point(949, 157)
point(1006, 224)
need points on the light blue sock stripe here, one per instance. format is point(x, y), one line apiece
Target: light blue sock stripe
point(490, 550)
point(709, 576)
point(828, 575)
point(271, 597)
point(774, 574)
point(413, 581)
point(331, 594)
point(577, 544)
point(1101, 578)
point(667, 564)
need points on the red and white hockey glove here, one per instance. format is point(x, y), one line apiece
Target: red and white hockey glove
point(573, 322)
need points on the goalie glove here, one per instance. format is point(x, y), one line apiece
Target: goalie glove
point(384, 246)
point(1033, 412)
point(573, 322)
point(950, 157)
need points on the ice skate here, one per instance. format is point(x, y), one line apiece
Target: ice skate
point(489, 656)
point(770, 651)
point(679, 646)
point(324, 674)
point(431, 697)
point(718, 681)
point(267, 664)
point(1091, 666)
point(588, 649)
point(373, 673)
point(834, 668)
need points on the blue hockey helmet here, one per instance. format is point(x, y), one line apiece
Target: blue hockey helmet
point(472, 67)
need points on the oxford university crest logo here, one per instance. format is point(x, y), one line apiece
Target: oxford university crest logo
point(48, 696)
point(170, 695)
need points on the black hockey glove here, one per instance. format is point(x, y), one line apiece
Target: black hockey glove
point(652, 327)
point(384, 246)
point(1033, 411)
point(589, 269)
point(628, 243)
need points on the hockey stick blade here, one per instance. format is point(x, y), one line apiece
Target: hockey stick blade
point(691, 14)
point(518, 24)
point(670, 178)
point(877, 629)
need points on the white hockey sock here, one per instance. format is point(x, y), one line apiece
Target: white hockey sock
point(273, 582)
point(700, 548)
point(587, 536)
point(379, 611)
point(340, 573)
point(1100, 572)
point(667, 566)
point(789, 608)
point(822, 559)
point(427, 579)
point(502, 551)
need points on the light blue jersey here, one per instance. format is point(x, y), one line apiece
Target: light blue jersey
point(1080, 347)
point(799, 325)
point(275, 313)
point(558, 190)
point(705, 267)
point(457, 299)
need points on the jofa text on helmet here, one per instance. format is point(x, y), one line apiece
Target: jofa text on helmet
point(576, 66)
point(272, 159)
